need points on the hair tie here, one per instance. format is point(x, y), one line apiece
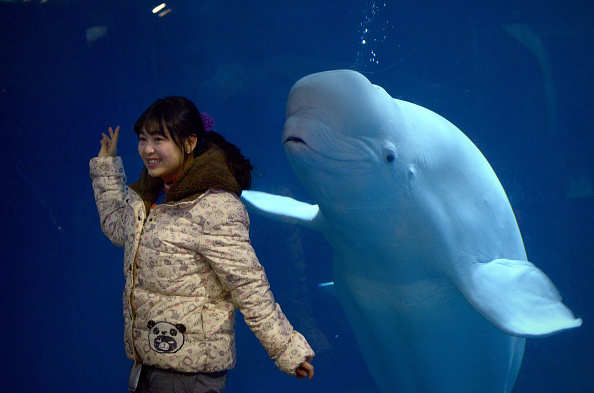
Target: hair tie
point(208, 121)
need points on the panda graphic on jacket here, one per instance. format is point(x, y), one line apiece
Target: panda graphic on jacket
point(165, 337)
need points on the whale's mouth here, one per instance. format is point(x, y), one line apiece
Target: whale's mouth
point(293, 143)
point(295, 139)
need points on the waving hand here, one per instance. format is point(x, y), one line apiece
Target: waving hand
point(109, 144)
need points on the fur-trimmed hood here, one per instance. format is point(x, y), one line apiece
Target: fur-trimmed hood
point(207, 171)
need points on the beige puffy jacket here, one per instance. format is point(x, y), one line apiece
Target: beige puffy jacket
point(188, 265)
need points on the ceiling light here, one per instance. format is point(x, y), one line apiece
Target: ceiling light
point(159, 8)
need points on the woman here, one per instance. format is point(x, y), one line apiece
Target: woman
point(188, 260)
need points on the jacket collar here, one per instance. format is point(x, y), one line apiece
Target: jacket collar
point(207, 171)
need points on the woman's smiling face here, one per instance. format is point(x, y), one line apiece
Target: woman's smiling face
point(161, 156)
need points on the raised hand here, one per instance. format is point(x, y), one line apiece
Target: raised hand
point(109, 144)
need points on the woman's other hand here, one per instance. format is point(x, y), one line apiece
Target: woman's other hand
point(109, 144)
point(305, 370)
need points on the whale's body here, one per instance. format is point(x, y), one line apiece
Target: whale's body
point(429, 264)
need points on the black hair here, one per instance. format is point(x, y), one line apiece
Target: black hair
point(178, 118)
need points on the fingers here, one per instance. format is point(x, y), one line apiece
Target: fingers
point(114, 139)
point(109, 143)
point(105, 140)
point(114, 134)
point(304, 370)
point(310, 370)
point(103, 150)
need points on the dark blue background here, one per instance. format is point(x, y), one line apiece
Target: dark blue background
point(62, 279)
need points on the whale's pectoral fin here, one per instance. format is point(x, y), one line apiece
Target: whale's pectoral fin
point(283, 209)
point(518, 298)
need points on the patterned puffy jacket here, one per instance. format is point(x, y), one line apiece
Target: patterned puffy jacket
point(188, 265)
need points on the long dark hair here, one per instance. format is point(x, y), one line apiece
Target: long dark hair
point(179, 117)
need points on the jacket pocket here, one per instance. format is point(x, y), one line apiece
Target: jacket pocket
point(218, 318)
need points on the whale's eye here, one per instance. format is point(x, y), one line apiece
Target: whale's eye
point(389, 152)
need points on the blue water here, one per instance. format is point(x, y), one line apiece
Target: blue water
point(71, 68)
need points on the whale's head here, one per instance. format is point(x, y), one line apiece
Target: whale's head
point(344, 142)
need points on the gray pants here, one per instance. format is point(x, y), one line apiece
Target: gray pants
point(157, 380)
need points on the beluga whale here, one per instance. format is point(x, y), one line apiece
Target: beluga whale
point(428, 261)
